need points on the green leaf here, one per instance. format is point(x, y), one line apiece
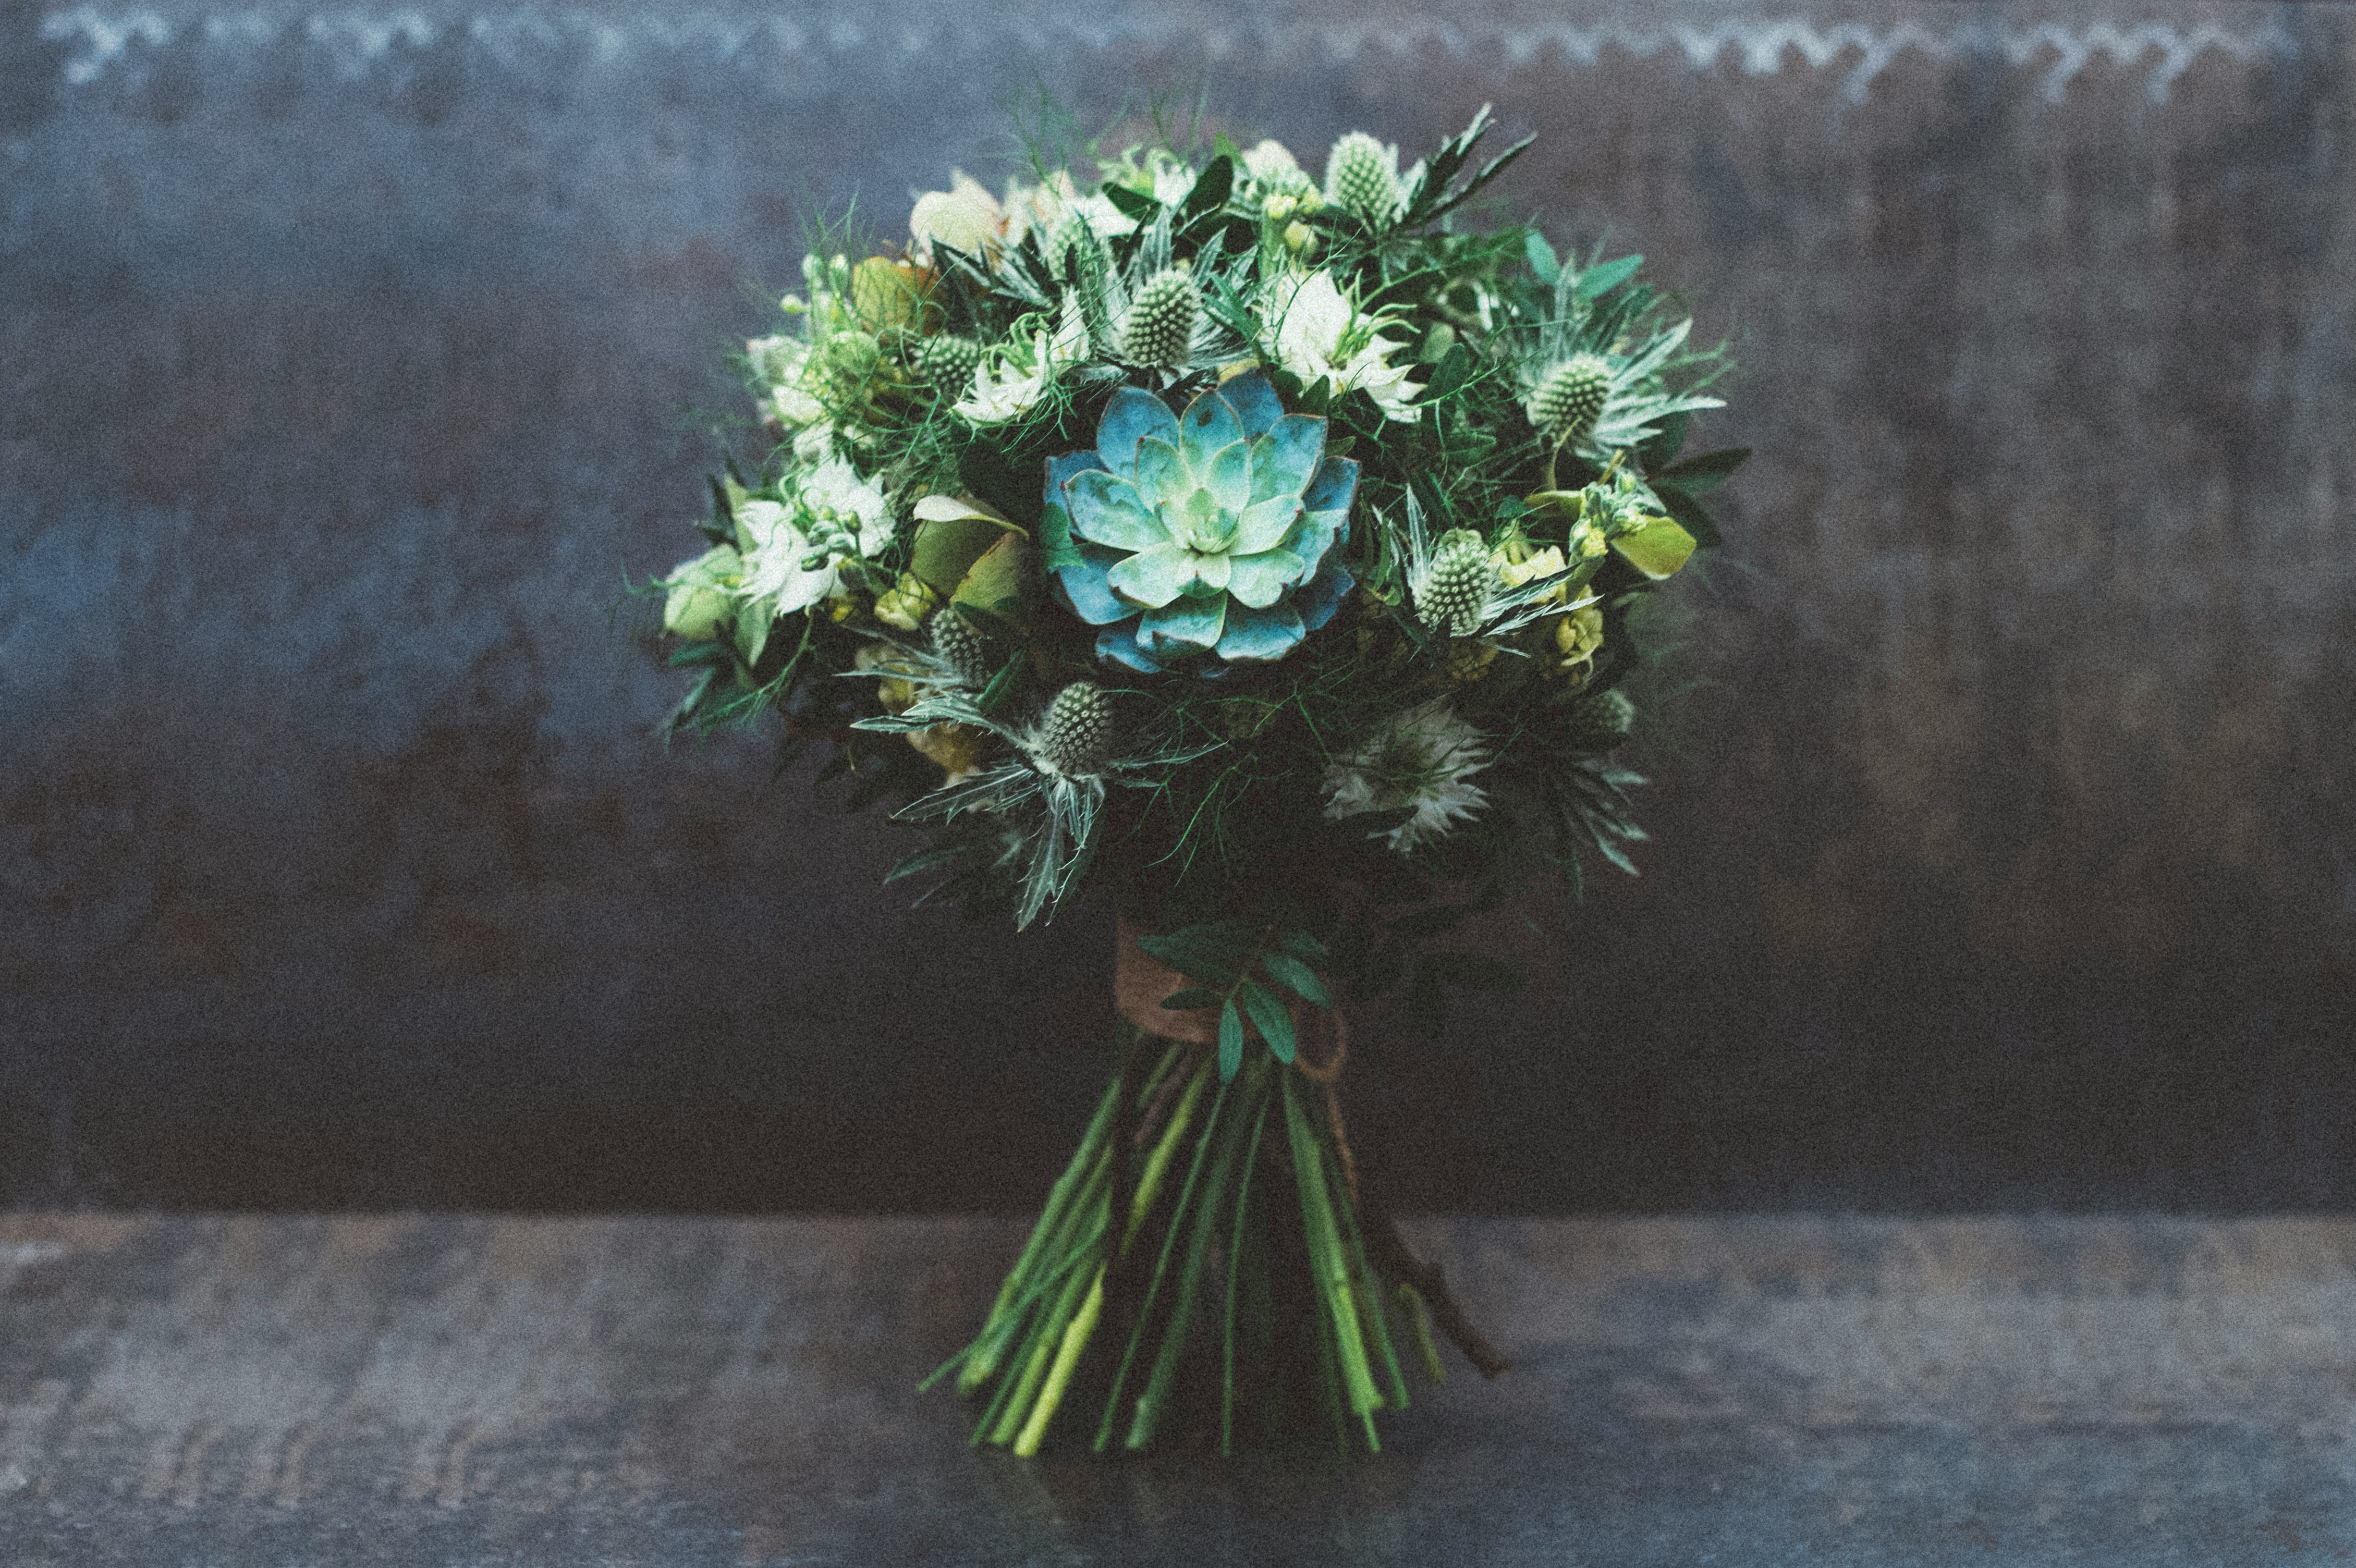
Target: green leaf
point(1299, 977)
point(1267, 1016)
point(1542, 258)
point(1605, 276)
point(1193, 996)
point(1659, 450)
point(1136, 204)
point(994, 695)
point(1231, 1042)
point(1689, 513)
point(1210, 192)
point(1700, 475)
point(1656, 547)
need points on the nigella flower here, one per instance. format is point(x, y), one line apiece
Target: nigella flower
point(1210, 533)
point(794, 549)
point(1320, 332)
point(1418, 761)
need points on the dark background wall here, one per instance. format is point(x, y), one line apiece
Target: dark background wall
point(349, 360)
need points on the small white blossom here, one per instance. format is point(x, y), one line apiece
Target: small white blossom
point(1008, 391)
point(1420, 759)
point(1321, 332)
point(835, 514)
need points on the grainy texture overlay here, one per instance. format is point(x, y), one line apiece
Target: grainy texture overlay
point(281, 1394)
point(354, 356)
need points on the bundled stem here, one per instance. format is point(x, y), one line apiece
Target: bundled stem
point(1163, 1238)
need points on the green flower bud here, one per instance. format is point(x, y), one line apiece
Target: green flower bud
point(1161, 327)
point(1456, 584)
point(1362, 177)
point(949, 362)
point(960, 647)
point(1570, 400)
point(1075, 738)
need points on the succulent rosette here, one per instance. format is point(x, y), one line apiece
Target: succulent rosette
point(1210, 532)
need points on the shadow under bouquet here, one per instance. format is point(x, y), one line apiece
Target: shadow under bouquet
point(1268, 552)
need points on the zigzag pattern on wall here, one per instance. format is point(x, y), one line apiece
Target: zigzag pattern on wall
point(357, 40)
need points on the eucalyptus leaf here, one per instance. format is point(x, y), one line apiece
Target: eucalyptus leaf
point(1297, 977)
point(1231, 1042)
point(1267, 1016)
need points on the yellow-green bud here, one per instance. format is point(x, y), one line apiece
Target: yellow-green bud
point(697, 600)
point(906, 603)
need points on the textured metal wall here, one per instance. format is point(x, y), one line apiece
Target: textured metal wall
point(350, 358)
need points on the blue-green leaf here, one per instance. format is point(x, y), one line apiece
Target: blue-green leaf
point(1298, 977)
point(1231, 1042)
point(1542, 257)
point(1605, 276)
point(1267, 1016)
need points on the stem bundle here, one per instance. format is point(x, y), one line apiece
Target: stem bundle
point(1277, 1305)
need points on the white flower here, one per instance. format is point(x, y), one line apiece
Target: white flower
point(1053, 207)
point(835, 513)
point(1419, 759)
point(1010, 390)
point(1272, 165)
point(1321, 334)
point(965, 216)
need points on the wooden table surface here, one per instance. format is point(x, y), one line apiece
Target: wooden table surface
point(307, 1392)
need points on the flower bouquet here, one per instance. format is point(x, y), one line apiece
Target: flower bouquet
point(1270, 553)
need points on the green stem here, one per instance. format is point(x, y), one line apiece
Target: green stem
point(1331, 1269)
point(978, 1364)
point(1044, 1342)
point(1076, 1340)
point(1367, 1289)
point(1144, 1309)
point(1149, 1185)
point(1234, 1277)
point(1190, 1275)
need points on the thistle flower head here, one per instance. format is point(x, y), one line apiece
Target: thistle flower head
point(961, 647)
point(1074, 737)
point(1451, 596)
point(1570, 400)
point(1161, 325)
point(1362, 177)
point(949, 361)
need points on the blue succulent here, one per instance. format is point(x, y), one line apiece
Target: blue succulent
point(1212, 532)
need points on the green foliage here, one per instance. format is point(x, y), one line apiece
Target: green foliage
point(1517, 416)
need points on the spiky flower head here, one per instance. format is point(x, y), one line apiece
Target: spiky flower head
point(1074, 738)
point(949, 362)
point(1161, 325)
point(1456, 584)
point(1570, 400)
point(1210, 532)
point(960, 644)
point(1602, 721)
point(1362, 177)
